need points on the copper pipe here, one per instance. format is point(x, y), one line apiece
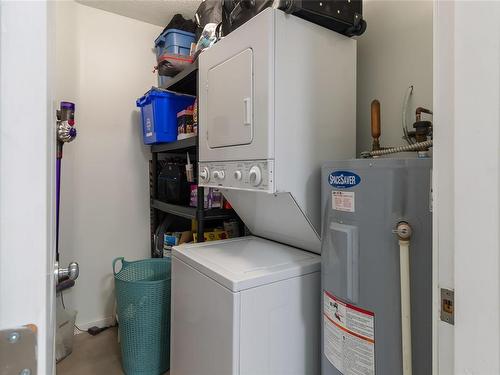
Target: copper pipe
point(420, 110)
point(375, 124)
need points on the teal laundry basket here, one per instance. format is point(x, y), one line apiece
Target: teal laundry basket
point(143, 298)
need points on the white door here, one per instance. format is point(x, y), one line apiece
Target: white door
point(237, 113)
point(27, 161)
point(467, 185)
point(229, 106)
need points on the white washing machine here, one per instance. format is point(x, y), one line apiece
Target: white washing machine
point(245, 306)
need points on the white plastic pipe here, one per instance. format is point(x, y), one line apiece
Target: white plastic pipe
point(404, 269)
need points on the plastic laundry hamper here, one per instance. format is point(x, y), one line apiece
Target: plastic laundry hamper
point(143, 299)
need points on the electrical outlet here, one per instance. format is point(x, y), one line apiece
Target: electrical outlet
point(448, 306)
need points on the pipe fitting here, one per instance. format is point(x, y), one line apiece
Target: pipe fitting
point(422, 146)
point(419, 111)
point(375, 125)
point(404, 231)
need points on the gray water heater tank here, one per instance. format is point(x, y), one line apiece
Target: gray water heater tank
point(363, 201)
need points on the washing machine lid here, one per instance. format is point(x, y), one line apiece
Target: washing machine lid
point(247, 262)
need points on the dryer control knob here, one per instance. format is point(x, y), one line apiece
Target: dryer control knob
point(255, 176)
point(238, 175)
point(204, 174)
point(218, 175)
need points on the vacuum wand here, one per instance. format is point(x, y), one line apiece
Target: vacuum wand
point(66, 133)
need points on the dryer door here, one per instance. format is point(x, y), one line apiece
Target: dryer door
point(229, 111)
point(236, 94)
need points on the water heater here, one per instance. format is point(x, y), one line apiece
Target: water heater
point(377, 267)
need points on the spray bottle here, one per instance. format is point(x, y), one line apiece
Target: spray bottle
point(189, 169)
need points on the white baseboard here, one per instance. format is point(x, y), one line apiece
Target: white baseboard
point(108, 321)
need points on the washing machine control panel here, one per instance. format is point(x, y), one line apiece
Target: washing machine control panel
point(254, 175)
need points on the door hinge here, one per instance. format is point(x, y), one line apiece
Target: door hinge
point(18, 351)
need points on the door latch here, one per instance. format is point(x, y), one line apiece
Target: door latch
point(448, 306)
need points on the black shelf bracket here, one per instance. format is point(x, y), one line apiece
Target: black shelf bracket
point(185, 82)
point(176, 146)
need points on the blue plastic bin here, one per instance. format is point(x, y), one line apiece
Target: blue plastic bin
point(174, 41)
point(159, 110)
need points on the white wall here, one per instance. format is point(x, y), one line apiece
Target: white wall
point(394, 53)
point(104, 63)
point(477, 203)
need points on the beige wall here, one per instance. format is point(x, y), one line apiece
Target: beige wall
point(104, 62)
point(394, 53)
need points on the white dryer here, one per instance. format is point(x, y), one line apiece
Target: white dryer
point(245, 306)
point(277, 98)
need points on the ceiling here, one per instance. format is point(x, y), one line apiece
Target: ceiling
point(157, 12)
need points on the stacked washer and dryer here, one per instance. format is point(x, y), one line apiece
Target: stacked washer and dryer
point(277, 98)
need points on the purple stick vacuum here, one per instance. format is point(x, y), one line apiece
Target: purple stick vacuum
point(66, 133)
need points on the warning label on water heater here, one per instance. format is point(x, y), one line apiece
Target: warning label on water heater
point(348, 336)
point(343, 201)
